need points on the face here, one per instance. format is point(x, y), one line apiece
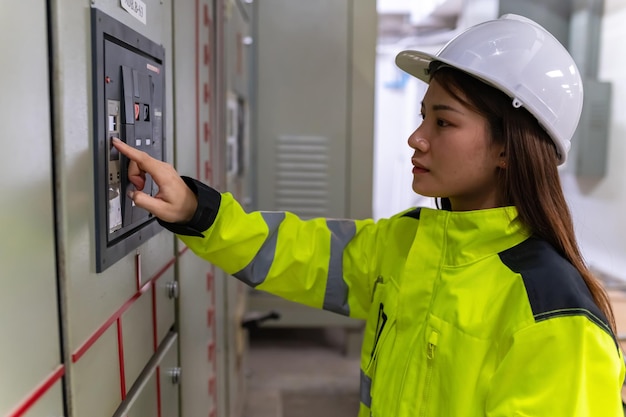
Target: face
point(453, 155)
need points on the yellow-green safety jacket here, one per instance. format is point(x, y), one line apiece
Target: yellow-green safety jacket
point(466, 313)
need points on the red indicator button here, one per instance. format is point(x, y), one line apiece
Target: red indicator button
point(136, 111)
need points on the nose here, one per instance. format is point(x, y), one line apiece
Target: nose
point(417, 141)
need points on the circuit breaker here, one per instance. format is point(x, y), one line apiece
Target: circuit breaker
point(128, 93)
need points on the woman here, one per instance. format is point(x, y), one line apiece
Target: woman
point(483, 308)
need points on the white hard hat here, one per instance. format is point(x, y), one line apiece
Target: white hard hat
point(522, 59)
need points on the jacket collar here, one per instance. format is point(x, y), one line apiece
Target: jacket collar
point(467, 236)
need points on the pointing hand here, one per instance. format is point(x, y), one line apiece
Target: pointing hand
point(175, 202)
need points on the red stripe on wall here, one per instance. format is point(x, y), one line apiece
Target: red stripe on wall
point(120, 353)
point(213, 295)
point(154, 320)
point(33, 397)
point(60, 371)
point(138, 270)
point(155, 346)
point(211, 317)
point(212, 386)
point(98, 333)
point(212, 274)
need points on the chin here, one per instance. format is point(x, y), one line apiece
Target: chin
point(425, 192)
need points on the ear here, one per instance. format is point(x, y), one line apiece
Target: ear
point(502, 159)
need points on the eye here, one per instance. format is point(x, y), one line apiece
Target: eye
point(438, 121)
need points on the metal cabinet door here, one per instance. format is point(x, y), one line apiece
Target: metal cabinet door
point(29, 320)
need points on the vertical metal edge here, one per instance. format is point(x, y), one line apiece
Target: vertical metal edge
point(97, 50)
point(252, 106)
point(54, 71)
point(361, 108)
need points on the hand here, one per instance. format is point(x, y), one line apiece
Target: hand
point(175, 202)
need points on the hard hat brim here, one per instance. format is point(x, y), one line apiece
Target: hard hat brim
point(416, 63)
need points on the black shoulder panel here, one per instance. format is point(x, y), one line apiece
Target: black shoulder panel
point(415, 214)
point(554, 287)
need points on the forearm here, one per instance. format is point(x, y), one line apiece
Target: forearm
point(301, 260)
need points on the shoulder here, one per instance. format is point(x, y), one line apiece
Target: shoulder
point(553, 286)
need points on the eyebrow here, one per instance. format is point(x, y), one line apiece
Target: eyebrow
point(443, 107)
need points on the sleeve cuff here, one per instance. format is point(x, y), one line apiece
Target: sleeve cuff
point(208, 206)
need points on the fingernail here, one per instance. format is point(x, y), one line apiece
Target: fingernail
point(130, 194)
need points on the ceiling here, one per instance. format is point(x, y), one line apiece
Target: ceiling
point(417, 19)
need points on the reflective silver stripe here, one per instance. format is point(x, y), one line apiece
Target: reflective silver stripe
point(366, 388)
point(336, 297)
point(256, 271)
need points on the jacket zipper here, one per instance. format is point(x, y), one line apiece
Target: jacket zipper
point(431, 350)
point(375, 353)
point(379, 280)
point(379, 330)
point(381, 315)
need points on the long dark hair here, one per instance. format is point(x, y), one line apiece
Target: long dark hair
point(531, 179)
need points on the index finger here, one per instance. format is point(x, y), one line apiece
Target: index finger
point(144, 161)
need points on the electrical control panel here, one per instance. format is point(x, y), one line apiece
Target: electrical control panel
point(129, 98)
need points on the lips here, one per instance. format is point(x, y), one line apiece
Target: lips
point(418, 168)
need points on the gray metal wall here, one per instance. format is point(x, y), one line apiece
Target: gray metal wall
point(315, 63)
point(314, 120)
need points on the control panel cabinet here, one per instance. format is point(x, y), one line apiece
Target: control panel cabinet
point(129, 91)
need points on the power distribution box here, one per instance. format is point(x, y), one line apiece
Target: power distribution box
point(129, 97)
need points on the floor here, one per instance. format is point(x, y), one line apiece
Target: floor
point(300, 373)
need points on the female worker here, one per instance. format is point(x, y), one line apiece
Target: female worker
point(482, 308)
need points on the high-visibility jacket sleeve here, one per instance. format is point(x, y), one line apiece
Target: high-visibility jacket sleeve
point(323, 263)
point(560, 367)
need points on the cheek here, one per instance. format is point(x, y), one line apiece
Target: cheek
point(456, 158)
point(469, 159)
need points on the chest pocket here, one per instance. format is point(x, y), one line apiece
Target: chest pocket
point(378, 340)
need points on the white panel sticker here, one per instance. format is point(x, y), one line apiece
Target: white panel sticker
point(136, 8)
point(115, 213)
